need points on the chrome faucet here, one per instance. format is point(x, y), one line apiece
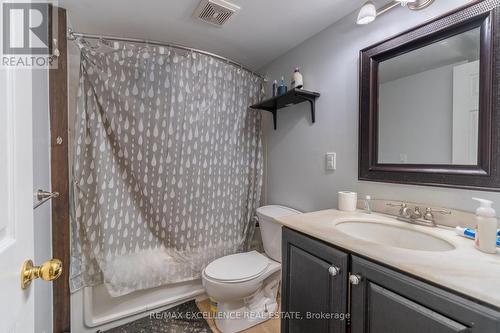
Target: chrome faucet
point(407, 212)
point(415, 215)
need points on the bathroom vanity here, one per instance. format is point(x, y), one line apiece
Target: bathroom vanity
point(424, 285)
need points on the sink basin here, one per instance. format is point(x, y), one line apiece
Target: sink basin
point(390, 235)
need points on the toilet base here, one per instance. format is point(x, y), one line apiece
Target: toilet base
point(239, 315)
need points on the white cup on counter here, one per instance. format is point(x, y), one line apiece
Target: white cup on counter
point(347, 201)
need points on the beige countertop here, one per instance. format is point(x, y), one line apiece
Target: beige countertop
point(463, 269)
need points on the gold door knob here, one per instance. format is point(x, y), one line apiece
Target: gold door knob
point(50, 270)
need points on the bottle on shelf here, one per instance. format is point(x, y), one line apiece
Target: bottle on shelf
point(297, 79)
point(282, 87)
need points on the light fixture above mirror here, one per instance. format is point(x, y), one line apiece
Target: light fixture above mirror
point(368, 12)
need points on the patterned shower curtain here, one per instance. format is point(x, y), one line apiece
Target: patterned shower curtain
point(167, 166)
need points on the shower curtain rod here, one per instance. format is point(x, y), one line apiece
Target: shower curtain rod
point(72, 35)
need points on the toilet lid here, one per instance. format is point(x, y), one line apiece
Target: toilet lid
point(237, 267)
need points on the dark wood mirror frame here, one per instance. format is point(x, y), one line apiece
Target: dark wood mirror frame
point(486, 174)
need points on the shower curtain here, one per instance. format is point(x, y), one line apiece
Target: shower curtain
point(167, 166)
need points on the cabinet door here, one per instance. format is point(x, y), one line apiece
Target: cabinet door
point(314, 286)
point(385, 301)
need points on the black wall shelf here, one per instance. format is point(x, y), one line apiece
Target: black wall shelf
point(292, 97)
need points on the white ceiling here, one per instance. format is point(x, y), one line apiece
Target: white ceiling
point(262, 30)
point(457, 49)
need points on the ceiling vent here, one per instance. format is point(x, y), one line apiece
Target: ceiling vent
point(215, 12)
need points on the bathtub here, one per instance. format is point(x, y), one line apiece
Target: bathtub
point(93, 309)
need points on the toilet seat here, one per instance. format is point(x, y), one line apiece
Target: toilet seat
point(238, 267)
point(245, 286)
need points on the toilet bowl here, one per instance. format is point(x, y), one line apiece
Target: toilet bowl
point(245, 285)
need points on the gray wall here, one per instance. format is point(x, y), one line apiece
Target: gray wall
point(416, 118)
point(295, 167)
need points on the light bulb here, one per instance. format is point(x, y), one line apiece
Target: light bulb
point(367, 13)
point(405, 2)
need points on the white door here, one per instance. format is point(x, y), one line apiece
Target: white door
point(24, 168)
point(28, 310)
point(16, 199)
point(465, 113)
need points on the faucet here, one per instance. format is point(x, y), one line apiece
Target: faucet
point(415, 215)
point(407, 212)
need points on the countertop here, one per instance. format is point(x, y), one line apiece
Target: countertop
point(465, 269)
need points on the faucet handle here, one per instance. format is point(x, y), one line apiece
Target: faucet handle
point(416, 213)
point(401, 205)
point(429, 216)
point(404, 210)
point(440, 211)
point(429, 213)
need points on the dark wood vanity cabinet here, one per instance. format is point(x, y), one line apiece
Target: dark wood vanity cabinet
point(314, 283)
point(381, 300)
point(385, 301)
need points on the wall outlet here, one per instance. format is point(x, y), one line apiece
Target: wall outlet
point(331, 161)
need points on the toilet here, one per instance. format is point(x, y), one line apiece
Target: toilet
point(245, 285)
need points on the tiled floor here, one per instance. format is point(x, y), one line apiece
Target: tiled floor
point(270, 326)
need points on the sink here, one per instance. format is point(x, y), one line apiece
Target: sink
point(394, 236)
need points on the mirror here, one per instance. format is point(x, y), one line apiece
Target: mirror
point(428, 103)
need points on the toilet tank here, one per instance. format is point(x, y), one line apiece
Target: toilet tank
point(270, 230)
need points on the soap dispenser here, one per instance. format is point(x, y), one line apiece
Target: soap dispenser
point(486, 227)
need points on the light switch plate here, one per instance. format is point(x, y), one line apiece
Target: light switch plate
point(331, 161)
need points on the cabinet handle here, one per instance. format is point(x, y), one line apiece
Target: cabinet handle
point(334, 270)
point(355, 279)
